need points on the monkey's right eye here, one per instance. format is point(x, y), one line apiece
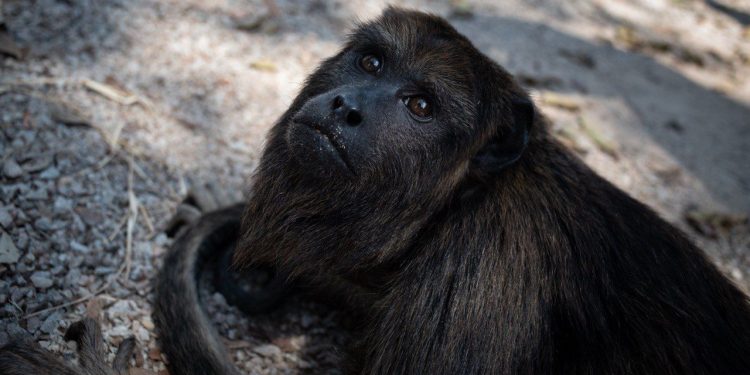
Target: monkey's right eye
point(371, 63)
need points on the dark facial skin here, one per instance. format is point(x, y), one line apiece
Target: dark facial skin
point(347, 129)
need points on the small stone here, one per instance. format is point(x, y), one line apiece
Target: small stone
point(51, 323)
point(38, 194)
point(22, 241)
point(43, 224)
point(50, 173)
point(307, 320)
point(154, 354)
point(268, 350)
point(33, 324)
point(736, 274)
point(103, 270)
point(219, 299)
point(11, 169)
point(73, 277)
point(62, 205)
point(142, 334)
point(41, 280)
point(147, 323)
point(8, 251)
point(119, 331)
point(5, 219)
point(37, 163)
point(14, 330)
point(78, 247)
point(123, 308)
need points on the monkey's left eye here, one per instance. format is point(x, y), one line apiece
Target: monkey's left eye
point(419, 106)
point(371, 63)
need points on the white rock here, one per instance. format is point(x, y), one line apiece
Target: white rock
point(41, 279)
point(268, 350)
point(123, 308)
point(8, 251)
point(11, 169)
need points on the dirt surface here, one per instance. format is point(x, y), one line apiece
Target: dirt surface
point(112, 111)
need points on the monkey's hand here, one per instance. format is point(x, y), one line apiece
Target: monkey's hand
point(26, 357)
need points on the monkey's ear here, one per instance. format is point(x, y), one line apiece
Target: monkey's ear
point(507, 146)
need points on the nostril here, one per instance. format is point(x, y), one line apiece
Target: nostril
point(338, 101)
point(353, 118)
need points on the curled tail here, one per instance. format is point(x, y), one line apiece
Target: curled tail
point(191, 344)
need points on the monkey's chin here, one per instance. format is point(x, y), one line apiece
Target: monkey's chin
point(316, 151)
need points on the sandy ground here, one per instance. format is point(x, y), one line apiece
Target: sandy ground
point(111, 111)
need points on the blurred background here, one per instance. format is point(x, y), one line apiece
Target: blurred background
point(112, 112)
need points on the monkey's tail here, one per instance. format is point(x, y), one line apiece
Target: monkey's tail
point(187, 337)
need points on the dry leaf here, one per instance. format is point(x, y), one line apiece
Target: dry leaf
point(94, 308)
point(461, 9)
point(111, 92)
point(604, 144)
point(237, 344)
point(154, 354)
point(712, 224)
point(264, 65)
point(561, 101)
point(570, 140)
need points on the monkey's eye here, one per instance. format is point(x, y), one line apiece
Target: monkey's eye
point(371, 63)
point(419, 106)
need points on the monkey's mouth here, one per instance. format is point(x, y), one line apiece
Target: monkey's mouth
point(329, 140)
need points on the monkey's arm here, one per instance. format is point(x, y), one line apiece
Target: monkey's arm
point(26, 357)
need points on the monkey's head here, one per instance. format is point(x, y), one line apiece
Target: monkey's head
point(382, 135)
point(405, 94)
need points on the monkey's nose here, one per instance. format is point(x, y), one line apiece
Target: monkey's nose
point(346, 110)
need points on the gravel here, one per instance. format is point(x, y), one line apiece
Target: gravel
point(41, 280)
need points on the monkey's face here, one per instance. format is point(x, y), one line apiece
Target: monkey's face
point(387, 103)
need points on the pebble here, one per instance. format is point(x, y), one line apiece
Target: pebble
point(5, 219)
point(62, 205)
point(268, 350)
point(38, 194)
point(307, 320)
point(11, 169)
point(33, 324)
point(43, 224)
point(119, 331)
point(41, 280)
point(78, 247)
point(736, 274)
point(50, 173)
point(123, 308)
point(147, 323)
point(8, 251)
point(22, 240)
point(51, 323)
point(37, 163)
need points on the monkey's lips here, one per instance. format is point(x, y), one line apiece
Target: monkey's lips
point(323, 142)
